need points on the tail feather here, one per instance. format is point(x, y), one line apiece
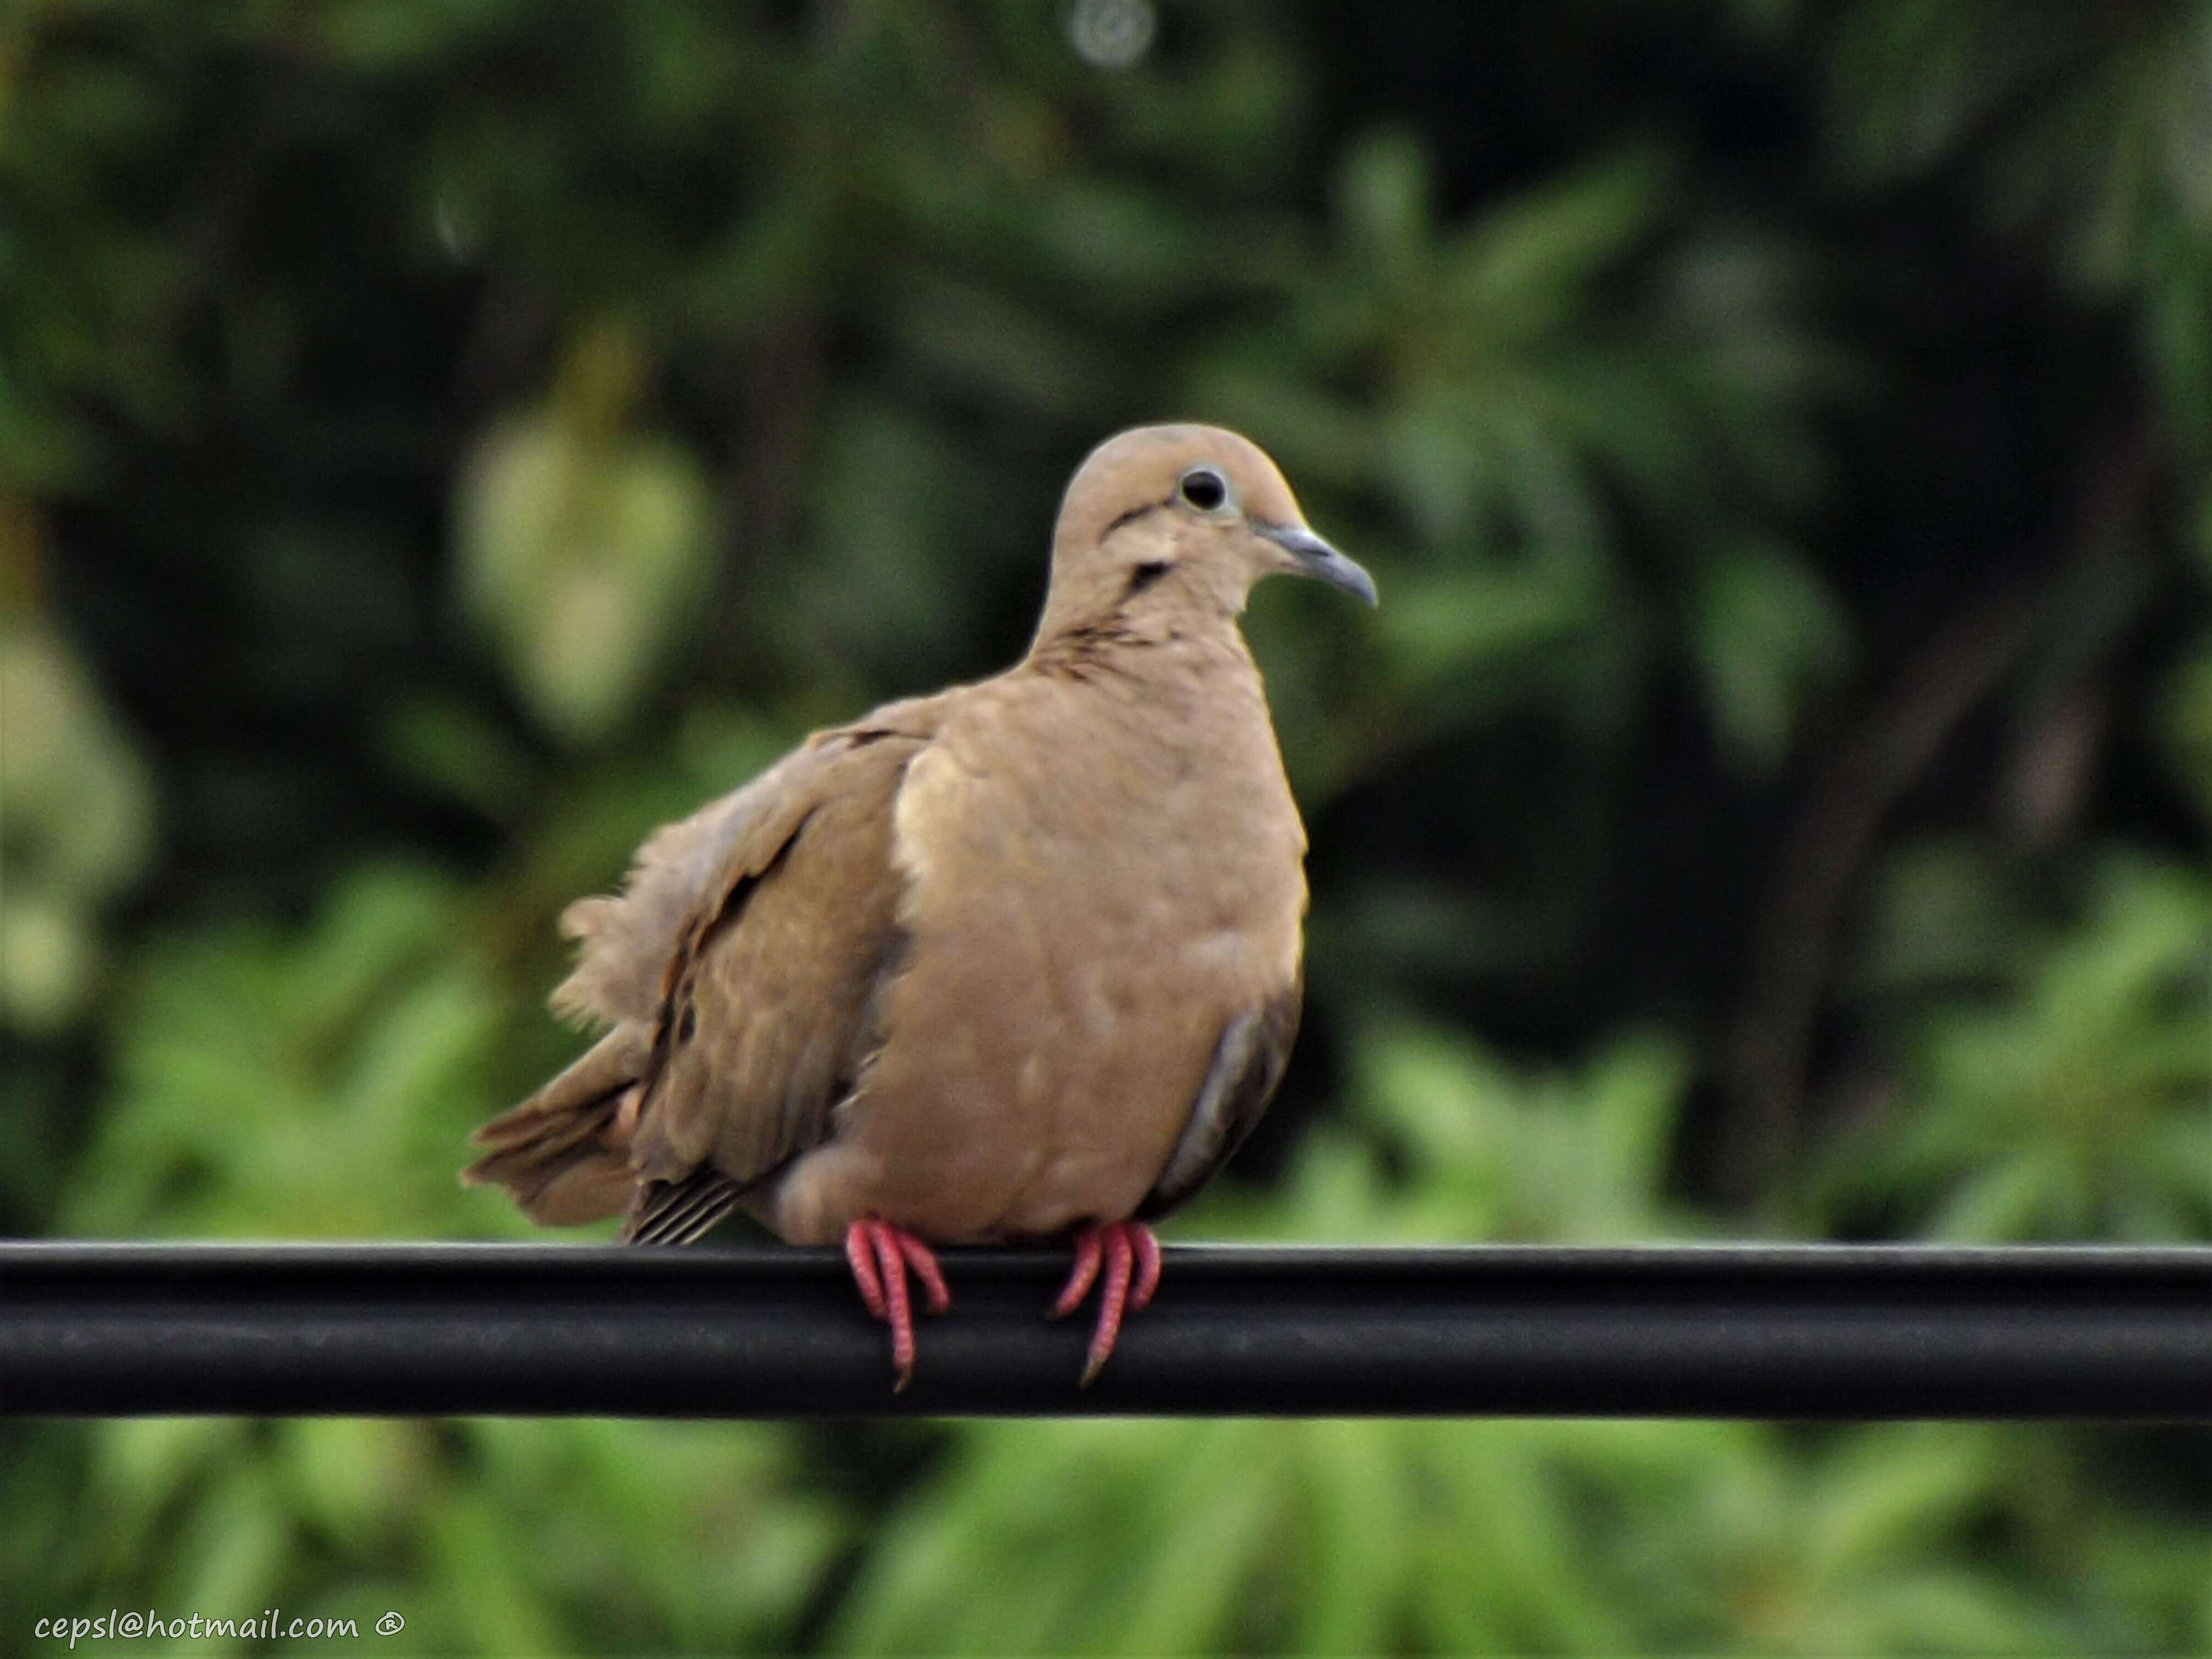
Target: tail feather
point(563, 1154)
point(678, 1211)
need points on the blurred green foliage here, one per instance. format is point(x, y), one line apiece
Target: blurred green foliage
point(438, 443)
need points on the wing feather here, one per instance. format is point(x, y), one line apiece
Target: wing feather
point(1248, 1063)
point(765, 1012)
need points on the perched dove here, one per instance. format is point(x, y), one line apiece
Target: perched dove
point(1016, 961)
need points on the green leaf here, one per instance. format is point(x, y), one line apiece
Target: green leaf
point(583, 548)
point(1769, 638)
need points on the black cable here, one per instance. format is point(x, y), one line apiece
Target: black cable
point(1800, 1331)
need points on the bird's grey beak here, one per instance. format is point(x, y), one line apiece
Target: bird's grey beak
point(1316, 558)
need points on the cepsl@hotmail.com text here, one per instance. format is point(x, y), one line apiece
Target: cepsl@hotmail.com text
point(268, 1625)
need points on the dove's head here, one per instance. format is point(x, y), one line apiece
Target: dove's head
point(1162, 521)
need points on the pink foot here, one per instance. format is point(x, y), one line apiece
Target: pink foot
point(880, 1255)
point(1128, 1251)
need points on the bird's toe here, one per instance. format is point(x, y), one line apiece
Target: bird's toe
point(881, 1255)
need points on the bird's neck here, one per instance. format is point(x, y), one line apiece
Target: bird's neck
point(1135, 641)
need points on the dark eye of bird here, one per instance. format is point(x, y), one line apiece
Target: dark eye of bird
point(1203, 488)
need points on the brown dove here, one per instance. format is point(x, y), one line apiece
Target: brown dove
point(1019, 961)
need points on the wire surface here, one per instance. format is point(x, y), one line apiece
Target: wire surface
point(1806, 1331)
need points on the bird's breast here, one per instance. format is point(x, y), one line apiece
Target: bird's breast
point(1089, 899)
